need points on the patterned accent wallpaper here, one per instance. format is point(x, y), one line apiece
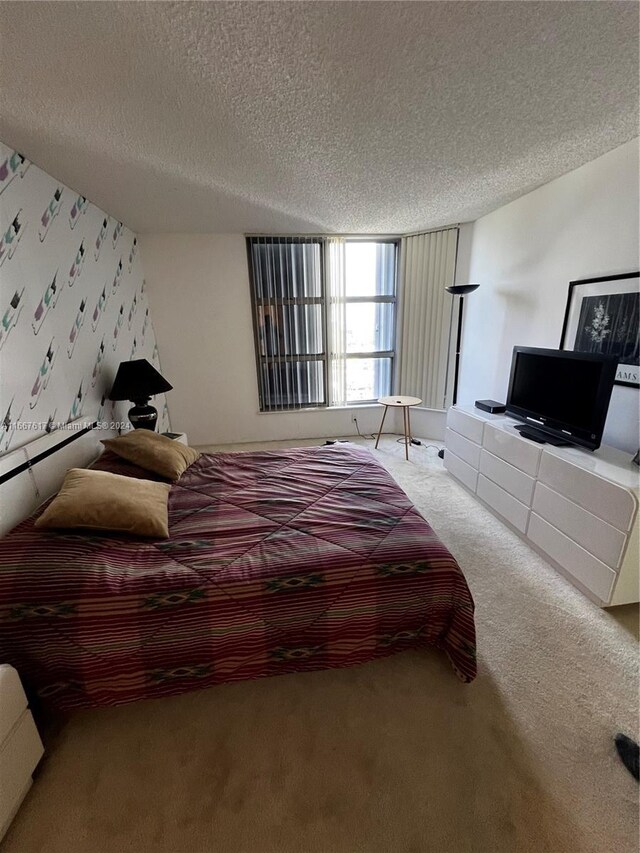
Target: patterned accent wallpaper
point(72, 306)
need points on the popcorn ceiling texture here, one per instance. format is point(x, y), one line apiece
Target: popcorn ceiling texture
point(315, 116)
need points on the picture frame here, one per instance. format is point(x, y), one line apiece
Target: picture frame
point(603, 316)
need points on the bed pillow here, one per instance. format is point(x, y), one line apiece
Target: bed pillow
point(154, 452)
point(98, 500)
point(109, 461)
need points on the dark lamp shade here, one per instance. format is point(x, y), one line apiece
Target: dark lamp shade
point(138, 380)
point(461, 289)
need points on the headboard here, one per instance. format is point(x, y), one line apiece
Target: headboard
point(34, 472)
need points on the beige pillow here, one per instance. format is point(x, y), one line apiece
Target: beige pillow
point(154, 452)
point(99, 500)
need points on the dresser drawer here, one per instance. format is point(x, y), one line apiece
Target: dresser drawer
point(512, 448)
point(607, 500)
point(511, 479)
point(586, 568)
point(465, 424)
point(599, 538)
point(19, 755)
point(461, 470)
point(465, 449)
point(503, 503)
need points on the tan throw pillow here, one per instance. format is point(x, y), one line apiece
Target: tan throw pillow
point(98, 500)
point(154, 452)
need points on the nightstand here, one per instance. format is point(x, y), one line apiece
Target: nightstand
point(20, 746)
point(177, 436)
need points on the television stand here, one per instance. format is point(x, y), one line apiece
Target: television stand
point(540, 436)
point(578, 509)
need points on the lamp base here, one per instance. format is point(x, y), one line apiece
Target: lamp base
point(143, 416)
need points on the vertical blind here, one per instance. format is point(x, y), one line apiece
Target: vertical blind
point(288, 305)
point(427, 267)
point(337, 282)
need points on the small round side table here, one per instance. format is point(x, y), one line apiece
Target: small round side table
point(405, 404)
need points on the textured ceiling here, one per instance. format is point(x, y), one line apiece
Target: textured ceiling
point(314, 116)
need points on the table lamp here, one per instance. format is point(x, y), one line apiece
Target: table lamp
point(138, 381)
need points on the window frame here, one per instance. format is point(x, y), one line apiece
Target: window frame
point(258, 303)
point(261, 302)
point(390, 354)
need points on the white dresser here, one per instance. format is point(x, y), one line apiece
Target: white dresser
point(20, 746)
point(577, 508)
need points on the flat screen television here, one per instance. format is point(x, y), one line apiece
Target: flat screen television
point(561, 396)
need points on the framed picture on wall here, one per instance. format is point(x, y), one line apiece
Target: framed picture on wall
point(603, 316)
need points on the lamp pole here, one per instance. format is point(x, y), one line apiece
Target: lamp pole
point(459, 290)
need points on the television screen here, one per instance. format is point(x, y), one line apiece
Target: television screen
point(564, 393)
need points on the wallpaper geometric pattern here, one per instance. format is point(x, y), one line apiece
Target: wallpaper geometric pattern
point(72, 306)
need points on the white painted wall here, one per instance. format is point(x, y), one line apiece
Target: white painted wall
point(198, 288)
point(582, 225)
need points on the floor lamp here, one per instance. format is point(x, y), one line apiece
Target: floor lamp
point(460, 290)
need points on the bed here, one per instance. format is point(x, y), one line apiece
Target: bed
point(280, 561)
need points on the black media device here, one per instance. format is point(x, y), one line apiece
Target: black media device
point(491, 406)
point(561, 396)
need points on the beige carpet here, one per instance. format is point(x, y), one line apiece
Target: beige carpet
point(393, 757)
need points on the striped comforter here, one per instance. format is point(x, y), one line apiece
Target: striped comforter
point(277, 562)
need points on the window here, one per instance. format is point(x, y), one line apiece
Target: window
point(301, 302)
point(289, 322)
point(370, 295)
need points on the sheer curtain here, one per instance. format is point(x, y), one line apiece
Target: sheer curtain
point(428, 266)
point(336, 266)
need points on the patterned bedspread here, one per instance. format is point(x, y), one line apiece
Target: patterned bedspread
point(277, 562)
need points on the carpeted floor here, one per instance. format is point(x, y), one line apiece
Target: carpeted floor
point(393, 757)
